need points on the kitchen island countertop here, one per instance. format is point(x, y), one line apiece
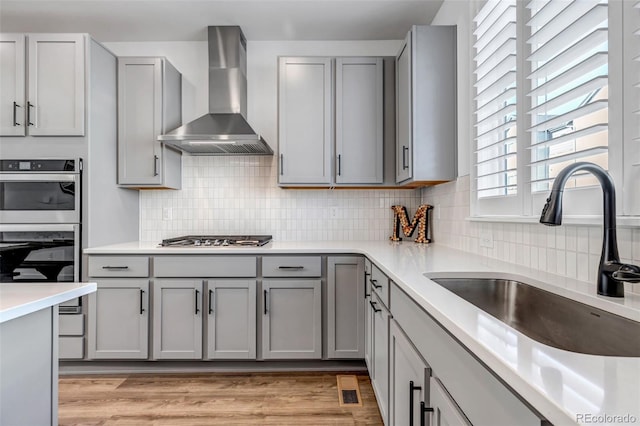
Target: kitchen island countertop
point(19, 299)
point(591, 389)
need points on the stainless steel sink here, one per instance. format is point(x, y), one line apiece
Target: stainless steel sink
point(548, 318)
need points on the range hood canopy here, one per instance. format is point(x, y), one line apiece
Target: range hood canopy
point(224, 130)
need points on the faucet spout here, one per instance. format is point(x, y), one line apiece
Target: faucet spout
point(610, 281)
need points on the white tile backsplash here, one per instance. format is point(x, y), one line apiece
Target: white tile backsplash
point(567, 250)
point(239, 195)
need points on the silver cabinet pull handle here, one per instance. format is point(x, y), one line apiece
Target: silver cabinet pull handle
point(15, 114)
point(115, 267)
point(295, 268)
point(404, 157)
point(281, 164)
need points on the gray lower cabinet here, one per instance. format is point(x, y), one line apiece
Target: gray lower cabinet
point(380, 358)
point(462, 390)
point(231, 319)
point(119, 319)
point(291, 319)
point(177, 319)
point(368, 320)
point(445, 410)
point(345, 307)
point(408, 380)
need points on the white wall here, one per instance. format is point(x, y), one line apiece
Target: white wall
point(240, 194)
point(456, 12)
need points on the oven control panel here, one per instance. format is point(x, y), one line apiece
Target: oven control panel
point(38, 165)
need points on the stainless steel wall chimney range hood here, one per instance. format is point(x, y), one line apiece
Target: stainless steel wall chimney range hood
point(224, 131)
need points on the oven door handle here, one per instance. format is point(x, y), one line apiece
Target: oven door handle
point(39, 227)
point(39, 177)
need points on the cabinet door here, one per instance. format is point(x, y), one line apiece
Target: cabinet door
point(139, 120)
point(345, 313)
point(177, 319)
point(292, 319)
point(404, 121)
point(380, 380)
point(445, 411)
point(119, 319)
point(56, 81)
point(12, 89)
point(368, 322)
point(231, 321)
point(359, 119)
point(408, 379)
point(304, 120)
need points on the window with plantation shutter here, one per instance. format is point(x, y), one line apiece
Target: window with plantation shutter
point(569, 89)
point(631, 94)
point(495, 99)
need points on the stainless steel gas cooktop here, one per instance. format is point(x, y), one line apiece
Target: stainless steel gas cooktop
point(217, 241)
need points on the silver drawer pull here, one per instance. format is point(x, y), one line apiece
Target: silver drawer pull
point(296, 268)
point(115, 267)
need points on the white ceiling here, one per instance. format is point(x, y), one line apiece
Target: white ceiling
point(186, 20)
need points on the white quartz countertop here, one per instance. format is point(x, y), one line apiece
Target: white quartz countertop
point(565, 387)
point(21, 299)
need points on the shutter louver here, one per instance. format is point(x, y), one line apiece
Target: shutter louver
point(635, 92)
point(569, 88)
point(495, 100)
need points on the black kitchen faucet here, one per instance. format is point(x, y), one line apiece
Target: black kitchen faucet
point(611, 272)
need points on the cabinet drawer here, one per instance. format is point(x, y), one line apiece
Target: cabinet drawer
point(71, 325)
point(118, 266)
point(70, 347)
point(380, 284)
point(291, 266)
point(205, 266)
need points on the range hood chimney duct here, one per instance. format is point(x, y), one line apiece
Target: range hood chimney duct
point(224, 130)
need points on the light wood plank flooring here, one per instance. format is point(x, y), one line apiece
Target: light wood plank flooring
point(212, 399)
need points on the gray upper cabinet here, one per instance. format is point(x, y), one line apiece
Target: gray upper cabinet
point(149, 104)
point(359, 121)
point(177, 319)
point(231, 319)
point(42, 79)
point(315, 92)
point(305, 121)
point(426, 106)
point(291, 319)
point(119, 319)
point(345, 307)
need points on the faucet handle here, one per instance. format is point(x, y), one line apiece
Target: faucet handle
point(628, 273)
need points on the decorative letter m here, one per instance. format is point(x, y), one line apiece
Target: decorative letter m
point(420, 220)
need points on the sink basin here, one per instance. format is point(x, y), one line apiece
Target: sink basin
point(548, 318)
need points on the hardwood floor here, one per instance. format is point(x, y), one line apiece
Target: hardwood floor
point(212, 399)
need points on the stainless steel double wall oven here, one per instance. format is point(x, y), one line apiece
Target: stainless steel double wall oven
point(40, 222)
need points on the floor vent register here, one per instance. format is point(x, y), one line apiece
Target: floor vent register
point(349, 391)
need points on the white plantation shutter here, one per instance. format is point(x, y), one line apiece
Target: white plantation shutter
point(569, 80)
point(495, 99)
point(631, 94)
